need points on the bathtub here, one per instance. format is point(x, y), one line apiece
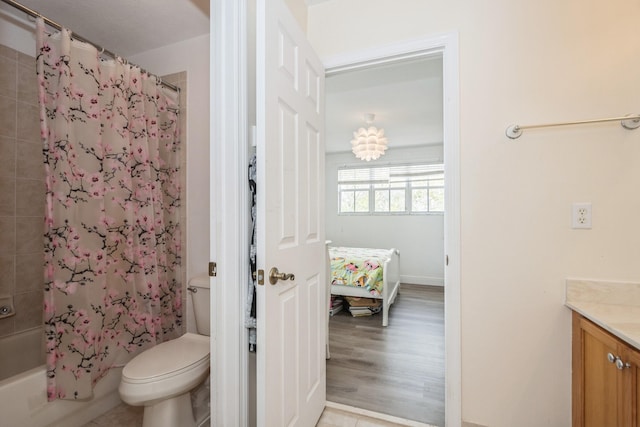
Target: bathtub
point(23, 397)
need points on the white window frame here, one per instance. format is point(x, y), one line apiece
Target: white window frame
point(365, 178)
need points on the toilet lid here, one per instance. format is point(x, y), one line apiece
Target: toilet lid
point(168, 358)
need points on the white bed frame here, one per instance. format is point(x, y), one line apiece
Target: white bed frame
point(391, 285)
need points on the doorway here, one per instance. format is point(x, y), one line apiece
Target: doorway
point(399, 369)
point(231, 118)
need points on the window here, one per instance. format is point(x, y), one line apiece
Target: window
point(394, 189)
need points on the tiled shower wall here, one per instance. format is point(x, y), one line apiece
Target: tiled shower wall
point(21, 192)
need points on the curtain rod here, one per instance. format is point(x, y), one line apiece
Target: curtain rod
point(630, 121)
point(59, 27)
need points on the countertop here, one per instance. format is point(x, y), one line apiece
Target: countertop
point(614, 306)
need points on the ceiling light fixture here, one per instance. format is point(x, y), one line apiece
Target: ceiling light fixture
point(369, 144)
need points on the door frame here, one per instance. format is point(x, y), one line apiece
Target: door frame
point(229, 194)
point(445, 44)
point(229, 245)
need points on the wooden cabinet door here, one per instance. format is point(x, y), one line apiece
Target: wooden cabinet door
point(606, 388)
point(597, 384)
point(631, 403)
point(601, 385)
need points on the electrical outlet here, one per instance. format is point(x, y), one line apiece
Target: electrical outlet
point(581, 215)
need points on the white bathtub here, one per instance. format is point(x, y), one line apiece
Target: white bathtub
point(23, 397)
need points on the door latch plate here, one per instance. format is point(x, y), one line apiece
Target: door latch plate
point(260, 277)
point(213, 269)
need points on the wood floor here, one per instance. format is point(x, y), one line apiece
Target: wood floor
point(397, 370)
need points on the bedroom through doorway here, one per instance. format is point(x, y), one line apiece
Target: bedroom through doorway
point(395, 201)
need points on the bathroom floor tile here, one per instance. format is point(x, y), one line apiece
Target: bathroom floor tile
point(122, 415)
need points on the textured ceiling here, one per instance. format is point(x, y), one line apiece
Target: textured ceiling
point(128, 27)
point(406, 98)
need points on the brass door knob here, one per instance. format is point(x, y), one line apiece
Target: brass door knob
point(275, 275)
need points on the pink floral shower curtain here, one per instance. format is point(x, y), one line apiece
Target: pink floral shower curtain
point(112, 236)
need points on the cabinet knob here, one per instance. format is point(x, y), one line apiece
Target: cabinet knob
point(622, 365)
point(611, 358)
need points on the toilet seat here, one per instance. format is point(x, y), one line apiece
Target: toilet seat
point(168, 369)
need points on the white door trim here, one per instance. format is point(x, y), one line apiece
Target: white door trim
point(228, 196)
point(447, 45)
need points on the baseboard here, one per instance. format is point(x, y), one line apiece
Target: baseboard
point(422, 280)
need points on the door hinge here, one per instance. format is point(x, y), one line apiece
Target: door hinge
point(213, 269)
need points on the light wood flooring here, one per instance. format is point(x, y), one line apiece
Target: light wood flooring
point(397, 370)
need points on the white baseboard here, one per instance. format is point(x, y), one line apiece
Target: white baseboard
point(422, 280)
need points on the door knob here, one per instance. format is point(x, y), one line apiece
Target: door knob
point(275, 275)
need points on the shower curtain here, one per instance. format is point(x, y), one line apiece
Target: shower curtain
point(112, 237)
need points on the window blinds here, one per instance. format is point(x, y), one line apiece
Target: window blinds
point(386, 174)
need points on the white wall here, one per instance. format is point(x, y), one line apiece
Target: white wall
point(191, 56)
point(525, 62)
point(419, 238)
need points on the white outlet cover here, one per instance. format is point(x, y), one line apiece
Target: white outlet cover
point(581, 216)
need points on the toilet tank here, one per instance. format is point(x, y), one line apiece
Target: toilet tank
point(199, 292)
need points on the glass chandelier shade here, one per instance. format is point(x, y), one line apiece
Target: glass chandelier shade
point(370, 143)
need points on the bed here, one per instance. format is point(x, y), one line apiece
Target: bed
point(366, 273)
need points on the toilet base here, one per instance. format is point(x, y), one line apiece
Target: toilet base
point(170, 413)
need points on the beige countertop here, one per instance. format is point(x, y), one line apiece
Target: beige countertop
point(614, 306)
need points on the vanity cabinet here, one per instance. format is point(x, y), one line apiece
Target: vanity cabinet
point(604, 379)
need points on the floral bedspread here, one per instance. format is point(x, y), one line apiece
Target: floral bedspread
point(361, 267)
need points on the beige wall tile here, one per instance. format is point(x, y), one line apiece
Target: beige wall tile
point(7, 196)
point(18, 78)
point(8, 117)
point(27, 90)
point(7, 156)
point(29, 160)
point(29, 272)
point(171, 78)
point(28, 310)
point(7, 326)
point(7, 274)
point(29, 197)
point(8, 77)
point(29, 234)
point(7, 235)
point(8, 52)
point(27, 60)
point(28, 126)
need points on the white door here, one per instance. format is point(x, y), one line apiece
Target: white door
point(291, 314)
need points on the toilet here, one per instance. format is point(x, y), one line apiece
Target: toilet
point(161, 378)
